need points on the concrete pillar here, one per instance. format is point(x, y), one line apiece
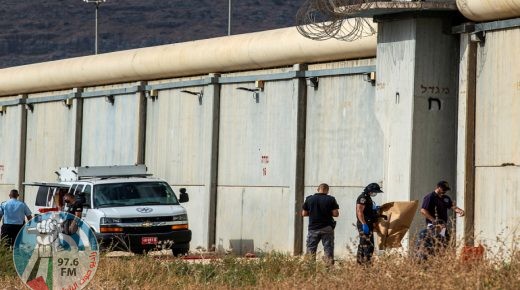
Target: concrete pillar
point(417, 92)
point(141, 124)
point(297, 185)
point(466, 138)
point(211, 98)
point(23, 146)
point(77, 106)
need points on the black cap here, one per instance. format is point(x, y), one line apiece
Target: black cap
point(444, 185)
point(373, 187)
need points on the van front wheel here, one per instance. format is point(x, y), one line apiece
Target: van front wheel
point(180, 251)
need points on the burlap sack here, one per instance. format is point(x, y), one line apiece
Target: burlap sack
point(399, 218)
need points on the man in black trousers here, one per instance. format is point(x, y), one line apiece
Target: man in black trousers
point(14, 213)
point(321, 208)
point(367, 214)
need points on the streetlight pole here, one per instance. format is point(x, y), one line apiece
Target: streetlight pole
point(97, 3)
point(229, 18)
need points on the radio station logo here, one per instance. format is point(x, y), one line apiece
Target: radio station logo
point(56, 250)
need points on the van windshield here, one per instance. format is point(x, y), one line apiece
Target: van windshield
point(133, 194)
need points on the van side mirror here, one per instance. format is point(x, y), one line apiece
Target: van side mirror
point(183, 197)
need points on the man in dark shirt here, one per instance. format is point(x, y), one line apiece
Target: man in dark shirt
point(367, 214)
point(74, 206)
point(436, 204)
point(321, 208)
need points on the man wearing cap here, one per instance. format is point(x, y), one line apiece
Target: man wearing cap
point(436, 204)
point(74, 206)
point(367, 214)
point(14, 213)
point(321, 208)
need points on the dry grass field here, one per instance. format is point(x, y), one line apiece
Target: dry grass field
point(279, 271)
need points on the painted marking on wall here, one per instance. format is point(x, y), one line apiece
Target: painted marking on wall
point(432, 101)
point(434, 90)
point(264, 160)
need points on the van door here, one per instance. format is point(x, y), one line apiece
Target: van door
point(45, 200)
point(87, 190)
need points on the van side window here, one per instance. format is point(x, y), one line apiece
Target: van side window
point(41, 196)
point(76, 188)
point(72, 189)
point(88, 193)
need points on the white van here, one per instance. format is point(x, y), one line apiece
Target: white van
point(125, 207)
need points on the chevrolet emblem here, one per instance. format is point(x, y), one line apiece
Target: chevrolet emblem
point(147, 224)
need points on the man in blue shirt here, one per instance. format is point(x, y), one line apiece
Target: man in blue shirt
point(321, 208)
point(14, 213)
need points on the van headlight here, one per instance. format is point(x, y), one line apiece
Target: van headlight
point(109, 221)
point(180, 218)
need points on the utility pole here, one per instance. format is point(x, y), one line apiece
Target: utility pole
point(229, 18)
point(97, 3)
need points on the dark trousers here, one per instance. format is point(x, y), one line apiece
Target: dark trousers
point(430, 243)
point(9, 233)
point(326, 236)
point(365, 247)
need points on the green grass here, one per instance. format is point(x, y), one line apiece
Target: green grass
point(275, 270)
point(6, 261)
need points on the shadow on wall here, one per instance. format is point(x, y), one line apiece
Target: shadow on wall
point(239, 247)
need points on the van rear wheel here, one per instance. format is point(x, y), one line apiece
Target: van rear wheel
point(139, 250)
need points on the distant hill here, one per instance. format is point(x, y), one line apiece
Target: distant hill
point(35, 31)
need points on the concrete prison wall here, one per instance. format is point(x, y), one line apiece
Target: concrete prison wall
point(251, 125)
point(247, 145)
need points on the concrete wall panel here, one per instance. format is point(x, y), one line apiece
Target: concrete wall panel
point(496, 206)
point(255, 135)
point(175, 136)
point(110, 131)
point(261, 217)
point(10, 122)
point(498, 99)
point(178, 149)
point(50, 142)
point(497, 155)
point(254, 200)
point(394, 95)
point(344, 146)
point(344, 140)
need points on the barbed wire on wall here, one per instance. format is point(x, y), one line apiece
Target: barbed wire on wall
point(325, 19)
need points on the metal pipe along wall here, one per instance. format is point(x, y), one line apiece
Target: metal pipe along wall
point(264, 49)
point(485, 10)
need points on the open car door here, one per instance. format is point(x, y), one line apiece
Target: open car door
point(49, 196)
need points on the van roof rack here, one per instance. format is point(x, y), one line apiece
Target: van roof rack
point(86, 172)
point(47, 184)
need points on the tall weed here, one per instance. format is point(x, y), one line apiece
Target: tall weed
point(275, 270)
